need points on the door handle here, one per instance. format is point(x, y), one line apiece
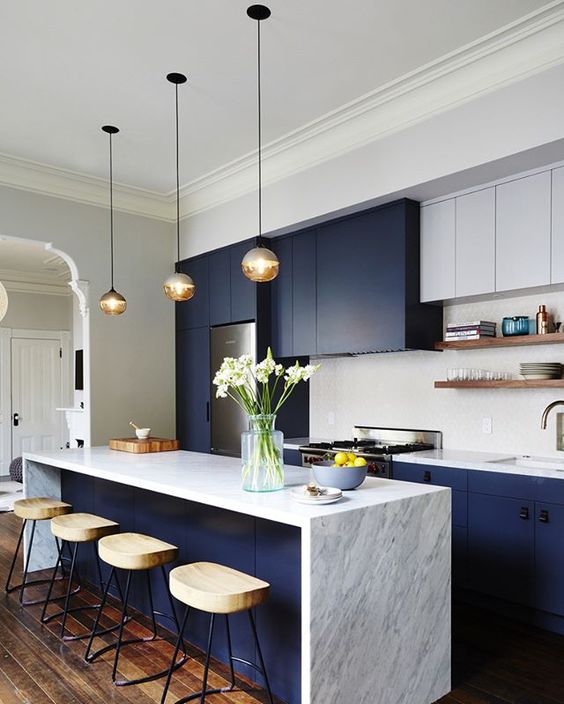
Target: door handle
point(524, 513)
point(208, 411)
point(427, 476)
point(544, 516)
point(16, 420)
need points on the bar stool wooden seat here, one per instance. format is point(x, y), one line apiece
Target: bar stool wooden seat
point(217, 589)
point(75, 529)
point(135, 552)
point(34, 509)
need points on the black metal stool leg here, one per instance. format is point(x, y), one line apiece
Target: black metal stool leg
point(122, 624)
point(94, 633)
point(259, 653)
point(179, 644)
point(208, 656)
point(7, 588)
point(151, 604)
point(69, 589)
point(27, 558)
point(230, 651)
point(52, 582)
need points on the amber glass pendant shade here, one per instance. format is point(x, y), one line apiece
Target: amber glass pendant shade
point(179, 287)
point(113, 303)
point(260, 264)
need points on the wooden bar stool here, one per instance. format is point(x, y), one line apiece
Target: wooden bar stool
point(217, 589)
point(36, 509)
point(134, 552)
point(77, 528)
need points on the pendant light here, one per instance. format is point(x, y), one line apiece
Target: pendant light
point(259, 264)
point(3, 301)
point(178, 286)
point(112, 302)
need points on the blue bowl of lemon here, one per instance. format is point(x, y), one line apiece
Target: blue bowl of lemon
point(345, 472)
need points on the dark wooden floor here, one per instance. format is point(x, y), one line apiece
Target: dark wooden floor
point(36, 666)
point(495, 661)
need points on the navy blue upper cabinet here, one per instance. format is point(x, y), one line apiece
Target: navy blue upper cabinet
point(243, 291)
point(195, 312)
point(304, 300)
point(282, 334)
point(220, 287)
point(193, 389)
point(368, 283)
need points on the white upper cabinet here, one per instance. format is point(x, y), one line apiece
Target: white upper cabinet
point(475, 243)
point(558, 226)
point(437, 251)
point(523, 224)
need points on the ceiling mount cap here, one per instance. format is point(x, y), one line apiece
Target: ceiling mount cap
point(258, 12)
point(176, 78)
point(110, 129)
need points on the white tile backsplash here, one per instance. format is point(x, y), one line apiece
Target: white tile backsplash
point(396, 390)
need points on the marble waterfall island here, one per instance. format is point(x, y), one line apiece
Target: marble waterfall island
point(360, 603)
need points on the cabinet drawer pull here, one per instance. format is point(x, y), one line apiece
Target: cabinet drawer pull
point(524, 513)
point(208, 412)
point(427, 476)
point(543, 517)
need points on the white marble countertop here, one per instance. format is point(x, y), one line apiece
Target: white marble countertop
point(486, 461)
point(216, 481)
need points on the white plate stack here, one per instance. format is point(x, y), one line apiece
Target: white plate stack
point(541, 370)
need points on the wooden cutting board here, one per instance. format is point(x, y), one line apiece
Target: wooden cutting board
point(148, 445)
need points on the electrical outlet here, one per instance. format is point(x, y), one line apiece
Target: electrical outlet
point(331, 418)
point(487, 426)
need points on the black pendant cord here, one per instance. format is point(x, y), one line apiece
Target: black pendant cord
point(111, 215)
point(177, 184)
point(259, 104)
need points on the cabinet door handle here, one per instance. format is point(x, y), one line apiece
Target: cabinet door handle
point(524, 513)
point(427, 476)
point(208, 411)
point(544, 517)
point(16, 420)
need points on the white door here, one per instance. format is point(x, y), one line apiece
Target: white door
point(36, 393)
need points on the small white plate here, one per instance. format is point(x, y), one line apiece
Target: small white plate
point(329, 497)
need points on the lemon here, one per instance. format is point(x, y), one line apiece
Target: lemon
point(360, 462)
point(351, 456)
point(340, 458)
point(349, 464)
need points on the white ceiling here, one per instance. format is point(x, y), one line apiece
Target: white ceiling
point(68, 67)
point(25, 262)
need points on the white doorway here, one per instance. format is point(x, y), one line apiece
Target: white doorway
point(39, 376)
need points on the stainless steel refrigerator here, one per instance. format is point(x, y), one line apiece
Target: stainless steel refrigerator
point(228, 420)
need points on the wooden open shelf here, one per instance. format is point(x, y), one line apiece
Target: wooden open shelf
point(509, 384)
point(489, 342)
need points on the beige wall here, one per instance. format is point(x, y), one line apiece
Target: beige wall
point(38, 311)
point(132, 356)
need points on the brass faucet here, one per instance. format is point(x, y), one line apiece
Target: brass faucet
point(547, 411)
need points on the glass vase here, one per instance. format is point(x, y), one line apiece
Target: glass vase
point(262, 455)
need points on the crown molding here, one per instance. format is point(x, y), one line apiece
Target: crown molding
point(529, 45)
point(45, 179)
point(37, 288)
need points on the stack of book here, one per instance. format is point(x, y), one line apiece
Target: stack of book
point(474, 330)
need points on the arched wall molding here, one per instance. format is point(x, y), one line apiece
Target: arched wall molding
point(80, 289)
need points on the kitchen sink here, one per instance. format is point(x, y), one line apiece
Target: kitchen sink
point(555, 464)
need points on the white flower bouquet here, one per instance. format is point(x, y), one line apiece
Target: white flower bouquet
point(260, 390)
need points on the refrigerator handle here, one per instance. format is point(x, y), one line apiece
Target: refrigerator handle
point(208, 411)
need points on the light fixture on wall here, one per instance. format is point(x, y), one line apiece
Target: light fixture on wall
point(178, 286)
point(259, 264)
point(3, 301)
point(112, 302)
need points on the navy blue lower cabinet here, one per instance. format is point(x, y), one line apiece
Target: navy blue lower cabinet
point(549, 558)
point(459, 556)
point(193, 389)
point(501, 547)
point(293, 457)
